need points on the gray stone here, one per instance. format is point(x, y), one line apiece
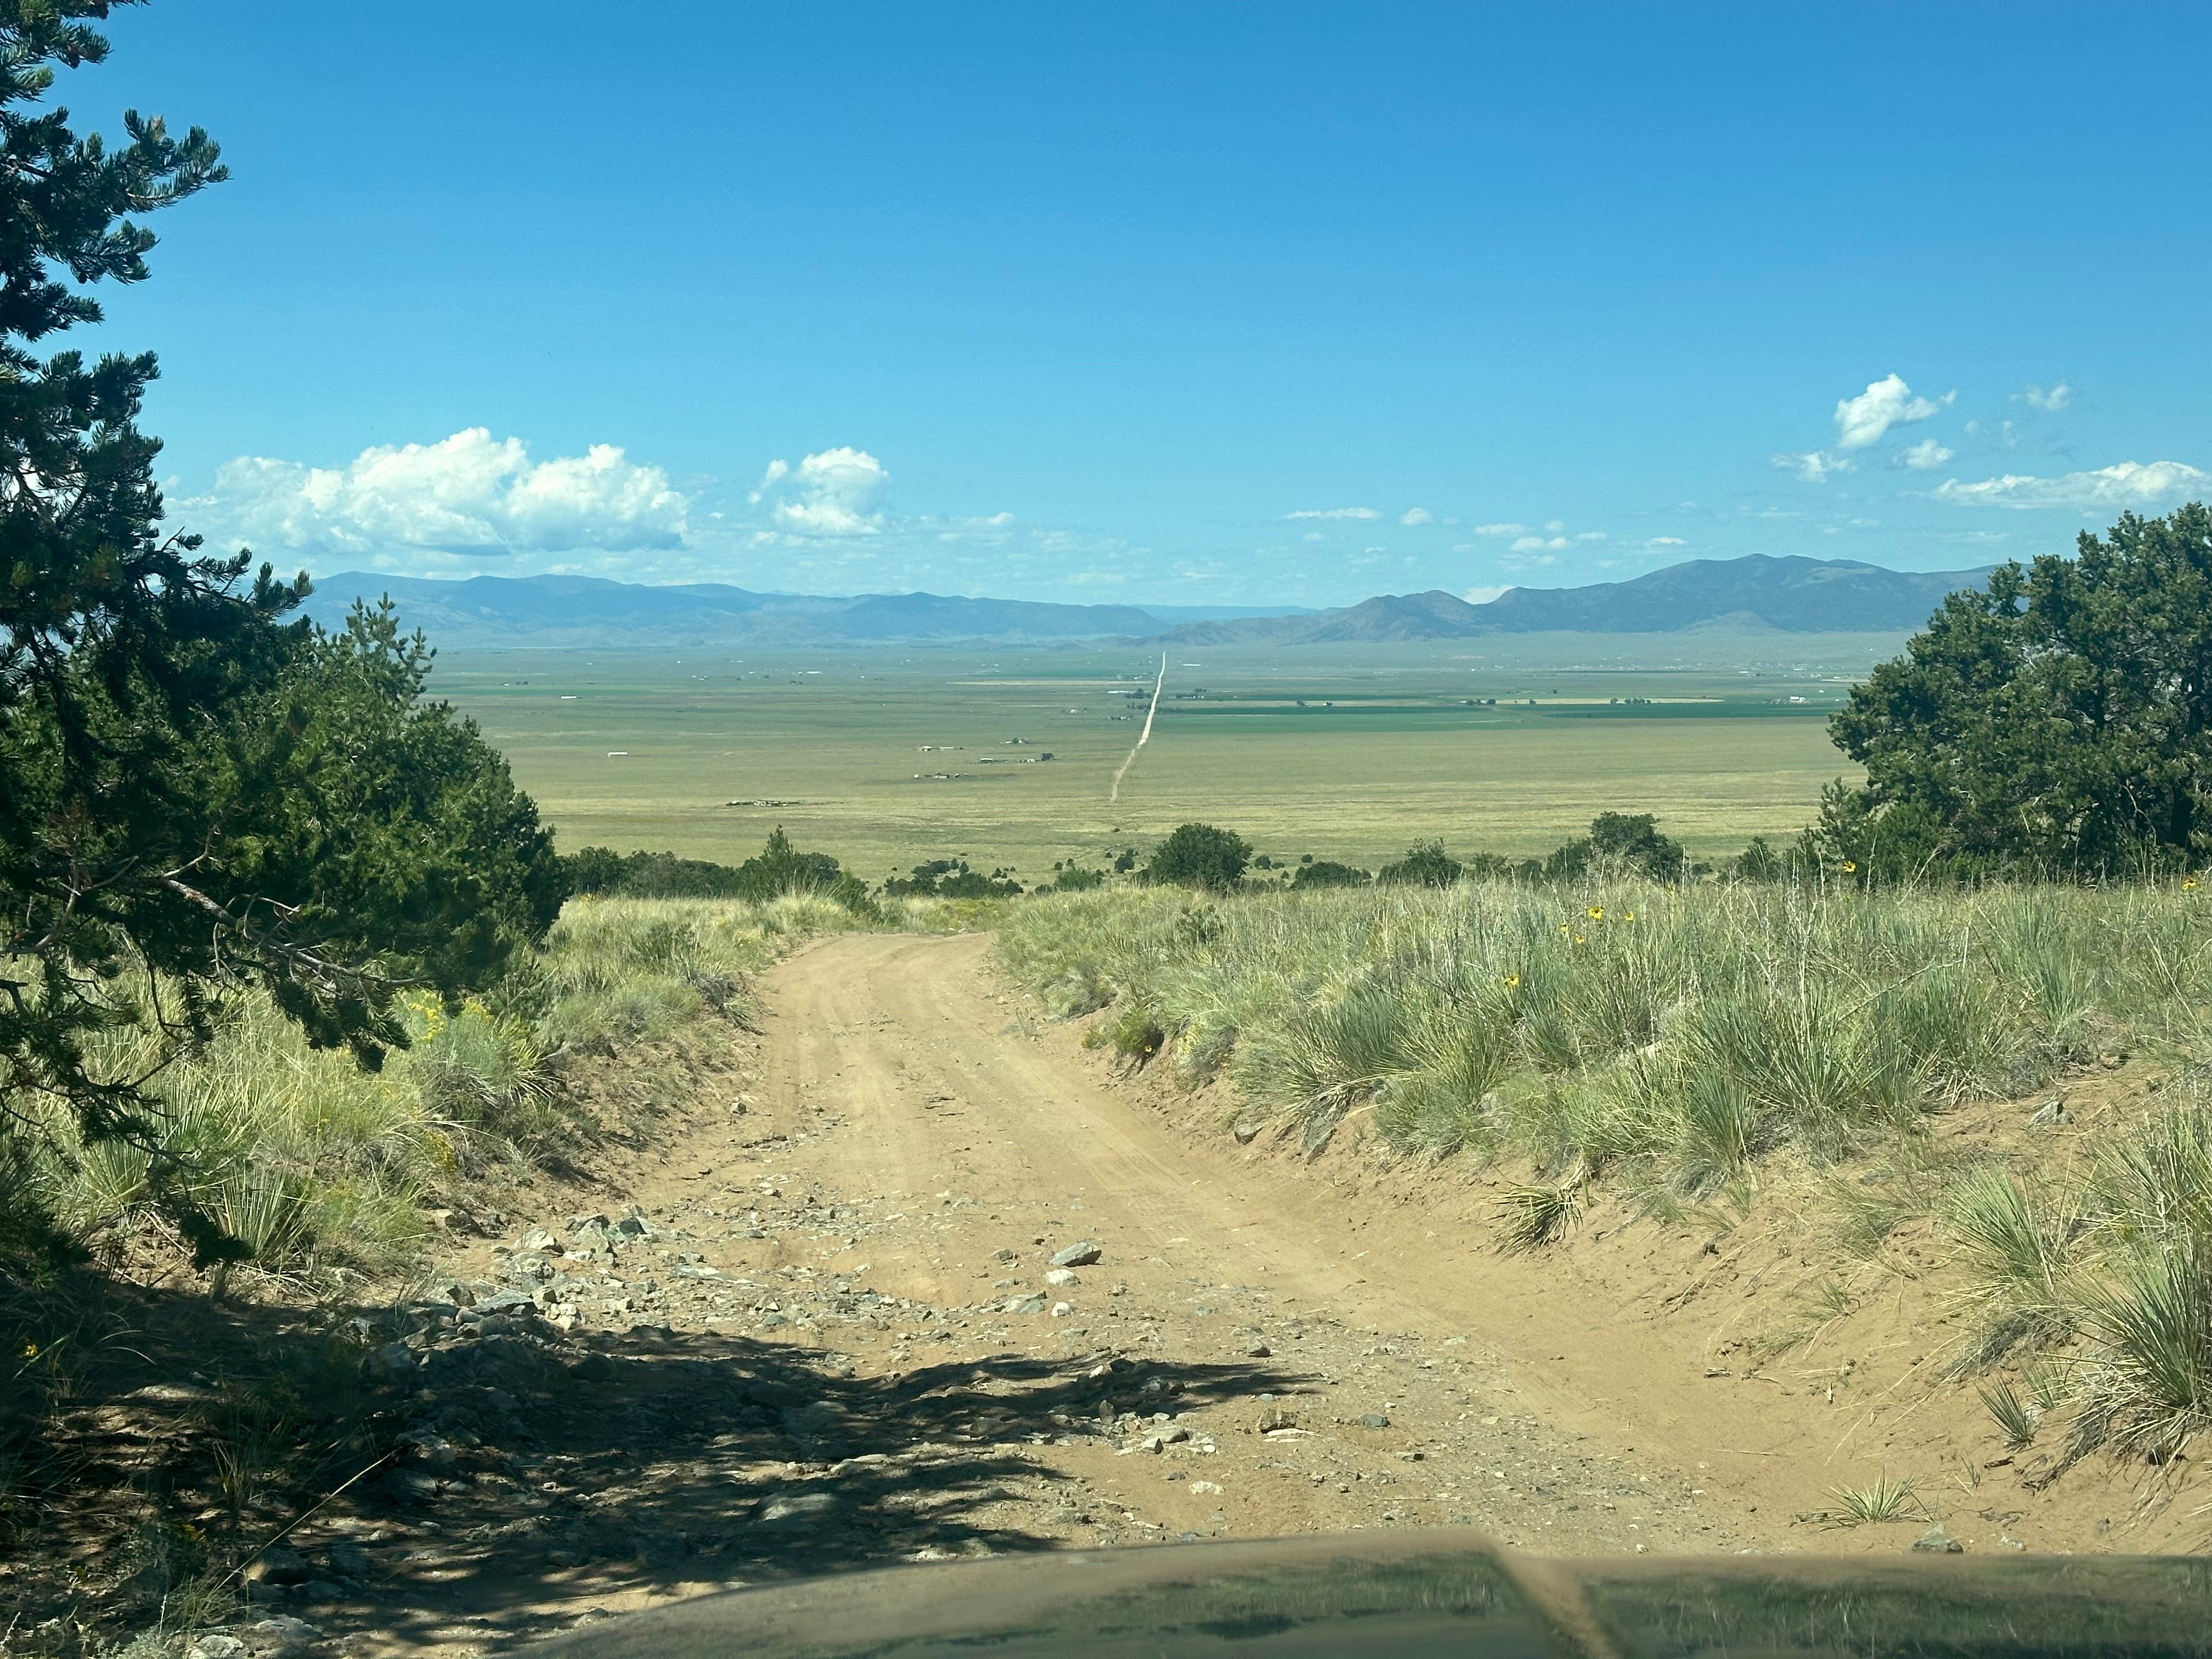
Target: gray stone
point(1246, 1133)
point(587, 1224)
point(499, 1302)
point(1936, 1541)
point(1062, 1276)
point(538, 1239)
point(632, 1226)
point(797, 1509)
point(1026, 1305)
point(322, 1590)
point(429, 1447)
point(1374, 1421)
point(392, 1361)
point(1275, 1417)
point(1077, 1255)
point(216, 1644)
point(350, 1560)
point(280, 1635)
point(1259, 1351)
point(280, 1563)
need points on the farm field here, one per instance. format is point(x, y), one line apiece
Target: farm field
point(887, 757)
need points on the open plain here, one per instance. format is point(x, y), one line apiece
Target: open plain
point(887, 757)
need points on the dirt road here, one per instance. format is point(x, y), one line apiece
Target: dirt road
point(821, 1327)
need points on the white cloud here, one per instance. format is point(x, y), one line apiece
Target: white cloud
point(1885, 403)
point(2049, 401)
point(834, 493)
point(1483, 595)
point(1498, 529)
point(2125, 484)
point(1413, 515)
point(1815, 466)
point(1538, 544)
point(1591, 536)
point(1665, 541)
point(1334, 513)
point(1926, 455)
point(470, 493)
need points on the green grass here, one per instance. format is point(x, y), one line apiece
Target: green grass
point(1393, 746)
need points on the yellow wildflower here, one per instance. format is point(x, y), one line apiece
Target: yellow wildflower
point(1513, 981)
point(1850, 868)
point(1597, 913)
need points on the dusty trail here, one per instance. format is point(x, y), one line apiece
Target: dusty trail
point(1143, 737)
point(830, 1333)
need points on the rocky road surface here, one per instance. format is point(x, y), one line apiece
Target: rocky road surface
point(917, 1285)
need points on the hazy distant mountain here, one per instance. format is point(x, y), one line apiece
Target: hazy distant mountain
point(1789, 595)
point(591, 610)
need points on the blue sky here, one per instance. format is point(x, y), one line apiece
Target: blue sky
point(1180, 303)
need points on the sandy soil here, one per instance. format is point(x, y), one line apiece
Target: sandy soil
point(833, 1335)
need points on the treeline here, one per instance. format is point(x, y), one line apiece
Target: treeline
point(778, 869)
point(1203, 856)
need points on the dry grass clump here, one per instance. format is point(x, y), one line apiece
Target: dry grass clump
point(2103, 1281)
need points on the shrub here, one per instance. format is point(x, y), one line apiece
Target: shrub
point(1323, 874)
point(1426, 865)
point(1199, 855)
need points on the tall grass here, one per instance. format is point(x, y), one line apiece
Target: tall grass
point(310, 1160)
point(1690, 1031)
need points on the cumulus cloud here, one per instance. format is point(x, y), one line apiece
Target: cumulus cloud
point(1925, 456)
point(470, 493)
point(1483, 595)
point(1538, 544)
point(1815, 466)
point(1413, 515)
point(1665, 541)
point(835, 493)
point(2124, 484)
point(2049, 401)
point(1885, 403)
point(1498, 529)
point(1334, 513)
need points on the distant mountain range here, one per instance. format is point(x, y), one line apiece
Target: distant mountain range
point(1785, 595)
point(591, 610)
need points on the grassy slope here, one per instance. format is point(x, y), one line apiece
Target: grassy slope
point(1673, 1054)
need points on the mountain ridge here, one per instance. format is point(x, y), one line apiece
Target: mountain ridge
point(1790, 594)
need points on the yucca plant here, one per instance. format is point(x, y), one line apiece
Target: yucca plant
point(2014, 1417)
point(1884, 1500)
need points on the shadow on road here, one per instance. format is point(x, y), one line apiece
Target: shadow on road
point(513, 1479)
